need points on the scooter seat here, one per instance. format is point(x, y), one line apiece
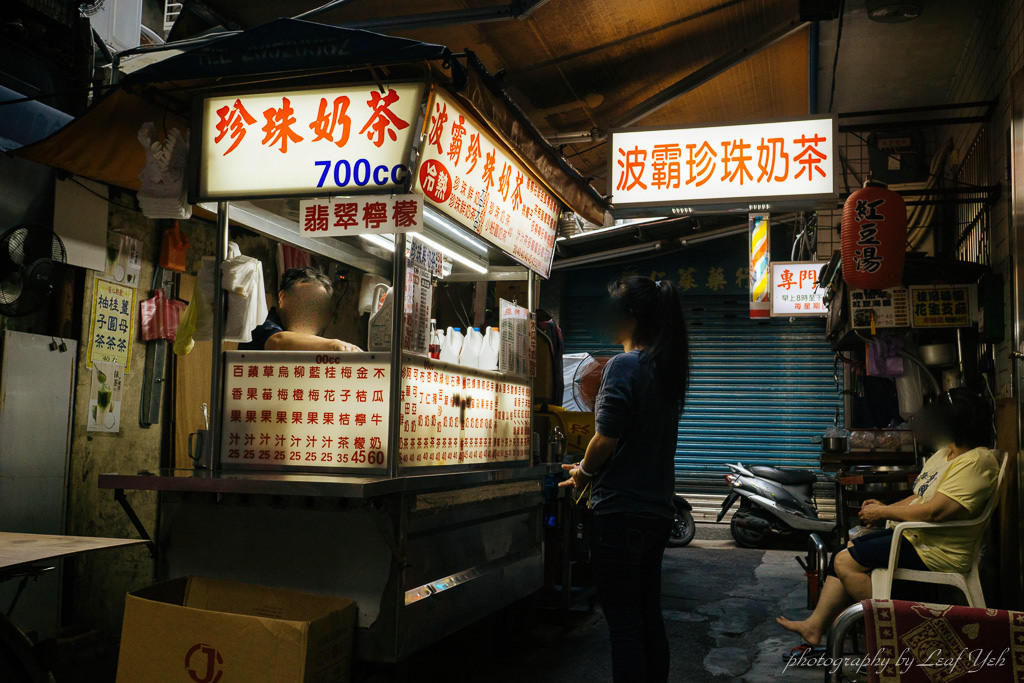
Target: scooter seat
point(783, 476)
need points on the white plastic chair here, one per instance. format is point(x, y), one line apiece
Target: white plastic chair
point(969, 584)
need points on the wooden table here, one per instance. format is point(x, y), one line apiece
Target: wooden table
point(18, 550)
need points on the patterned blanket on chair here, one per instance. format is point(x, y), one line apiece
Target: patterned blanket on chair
point(913, 642)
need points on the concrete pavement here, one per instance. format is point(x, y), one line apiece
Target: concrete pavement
point(720, 603)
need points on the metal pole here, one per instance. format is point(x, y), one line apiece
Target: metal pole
point(217, 355)
point(397, 336)
point(531, 305)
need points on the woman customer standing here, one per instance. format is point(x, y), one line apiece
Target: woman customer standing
point(629, 464)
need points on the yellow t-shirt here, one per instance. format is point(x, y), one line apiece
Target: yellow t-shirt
point(970, 480)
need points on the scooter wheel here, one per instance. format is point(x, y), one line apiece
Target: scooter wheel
point(747, 537)
point(683, 529)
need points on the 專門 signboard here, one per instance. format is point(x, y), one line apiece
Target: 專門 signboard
point(478, 183)
point(732, 164)
point(795, 290)
point(350, 139)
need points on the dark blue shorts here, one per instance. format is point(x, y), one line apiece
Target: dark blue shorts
point(872, 550)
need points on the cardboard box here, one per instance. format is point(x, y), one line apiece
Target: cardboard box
point(197, 630)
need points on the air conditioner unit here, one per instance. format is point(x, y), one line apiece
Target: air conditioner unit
point(118, 23)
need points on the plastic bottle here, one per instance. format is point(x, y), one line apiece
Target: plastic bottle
point(491, 349)
point(471, 347)
point(452, 346)
point(379, 333)
point(434, 343)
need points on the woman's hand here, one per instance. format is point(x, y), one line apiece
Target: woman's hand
point(870, 501)
point(576, 479)
point(872, 512)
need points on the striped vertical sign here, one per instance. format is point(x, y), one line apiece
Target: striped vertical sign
point(760, 247)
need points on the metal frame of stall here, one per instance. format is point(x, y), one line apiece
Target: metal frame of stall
point(422, 551)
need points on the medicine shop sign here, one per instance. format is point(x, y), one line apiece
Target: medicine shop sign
point(468, 175)
point(323, 142)
point(791, 161)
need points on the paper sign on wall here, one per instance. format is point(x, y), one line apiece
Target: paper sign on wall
point(105, 398)
point(112, 330)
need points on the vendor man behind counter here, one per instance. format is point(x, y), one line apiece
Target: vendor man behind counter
point(302, 314)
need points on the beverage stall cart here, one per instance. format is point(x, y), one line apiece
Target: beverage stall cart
point(402, 482)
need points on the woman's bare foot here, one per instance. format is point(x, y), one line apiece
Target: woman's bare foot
point(805, 629)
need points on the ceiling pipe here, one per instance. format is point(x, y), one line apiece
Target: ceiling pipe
point(705, 74)
point(513, 10)
point(335, 4)
point(597, 257)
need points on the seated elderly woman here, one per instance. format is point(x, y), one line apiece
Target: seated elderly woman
point(955, 483)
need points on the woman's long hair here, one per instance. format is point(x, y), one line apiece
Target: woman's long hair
point(660, 329)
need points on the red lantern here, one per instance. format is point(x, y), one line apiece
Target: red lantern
point(874, 237)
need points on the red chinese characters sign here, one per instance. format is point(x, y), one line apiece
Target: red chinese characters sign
point(340, 216)
point(450, 417)
point(790, 160)
point(301, 410)
point(472, 178)
point(354, 138)
point(795, 289)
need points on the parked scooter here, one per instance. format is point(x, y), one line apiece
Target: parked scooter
point(773, 502)
point(682, 526)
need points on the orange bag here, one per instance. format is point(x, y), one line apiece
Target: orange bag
point(173, 249)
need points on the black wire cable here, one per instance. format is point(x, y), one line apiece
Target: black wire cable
point(835, 58)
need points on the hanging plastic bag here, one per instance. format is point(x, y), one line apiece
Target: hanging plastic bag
point(174, 249)
point(160, 317)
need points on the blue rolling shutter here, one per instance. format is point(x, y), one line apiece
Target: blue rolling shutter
point(759, 391)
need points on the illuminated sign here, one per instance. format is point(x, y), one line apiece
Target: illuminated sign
point(760, 256)
point(473, 179)
point(738, 164)
point(340, 216)
point(795, 289)
point(308, 142)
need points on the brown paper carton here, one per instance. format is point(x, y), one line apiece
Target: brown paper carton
point(196, 630)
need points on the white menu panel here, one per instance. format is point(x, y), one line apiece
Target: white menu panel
point(302, 409)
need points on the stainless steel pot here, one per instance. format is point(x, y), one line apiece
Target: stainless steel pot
point(938, 355)
point(834, 444)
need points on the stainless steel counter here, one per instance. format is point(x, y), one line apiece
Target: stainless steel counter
point(314, 485)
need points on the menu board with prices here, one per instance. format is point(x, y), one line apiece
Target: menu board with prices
point(879, 308)
point(474, 179)
point(455, 417)
point(431, 412)
point(419, 288)
point(518, 340)
point(305, 409)
point(943, 305)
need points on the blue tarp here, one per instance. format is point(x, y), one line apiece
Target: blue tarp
point(289, 46)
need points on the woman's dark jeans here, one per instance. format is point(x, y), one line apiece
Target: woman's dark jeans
point(626, 551)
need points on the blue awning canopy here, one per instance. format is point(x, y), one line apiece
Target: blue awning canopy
point(23, 123)
point(290, 46)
